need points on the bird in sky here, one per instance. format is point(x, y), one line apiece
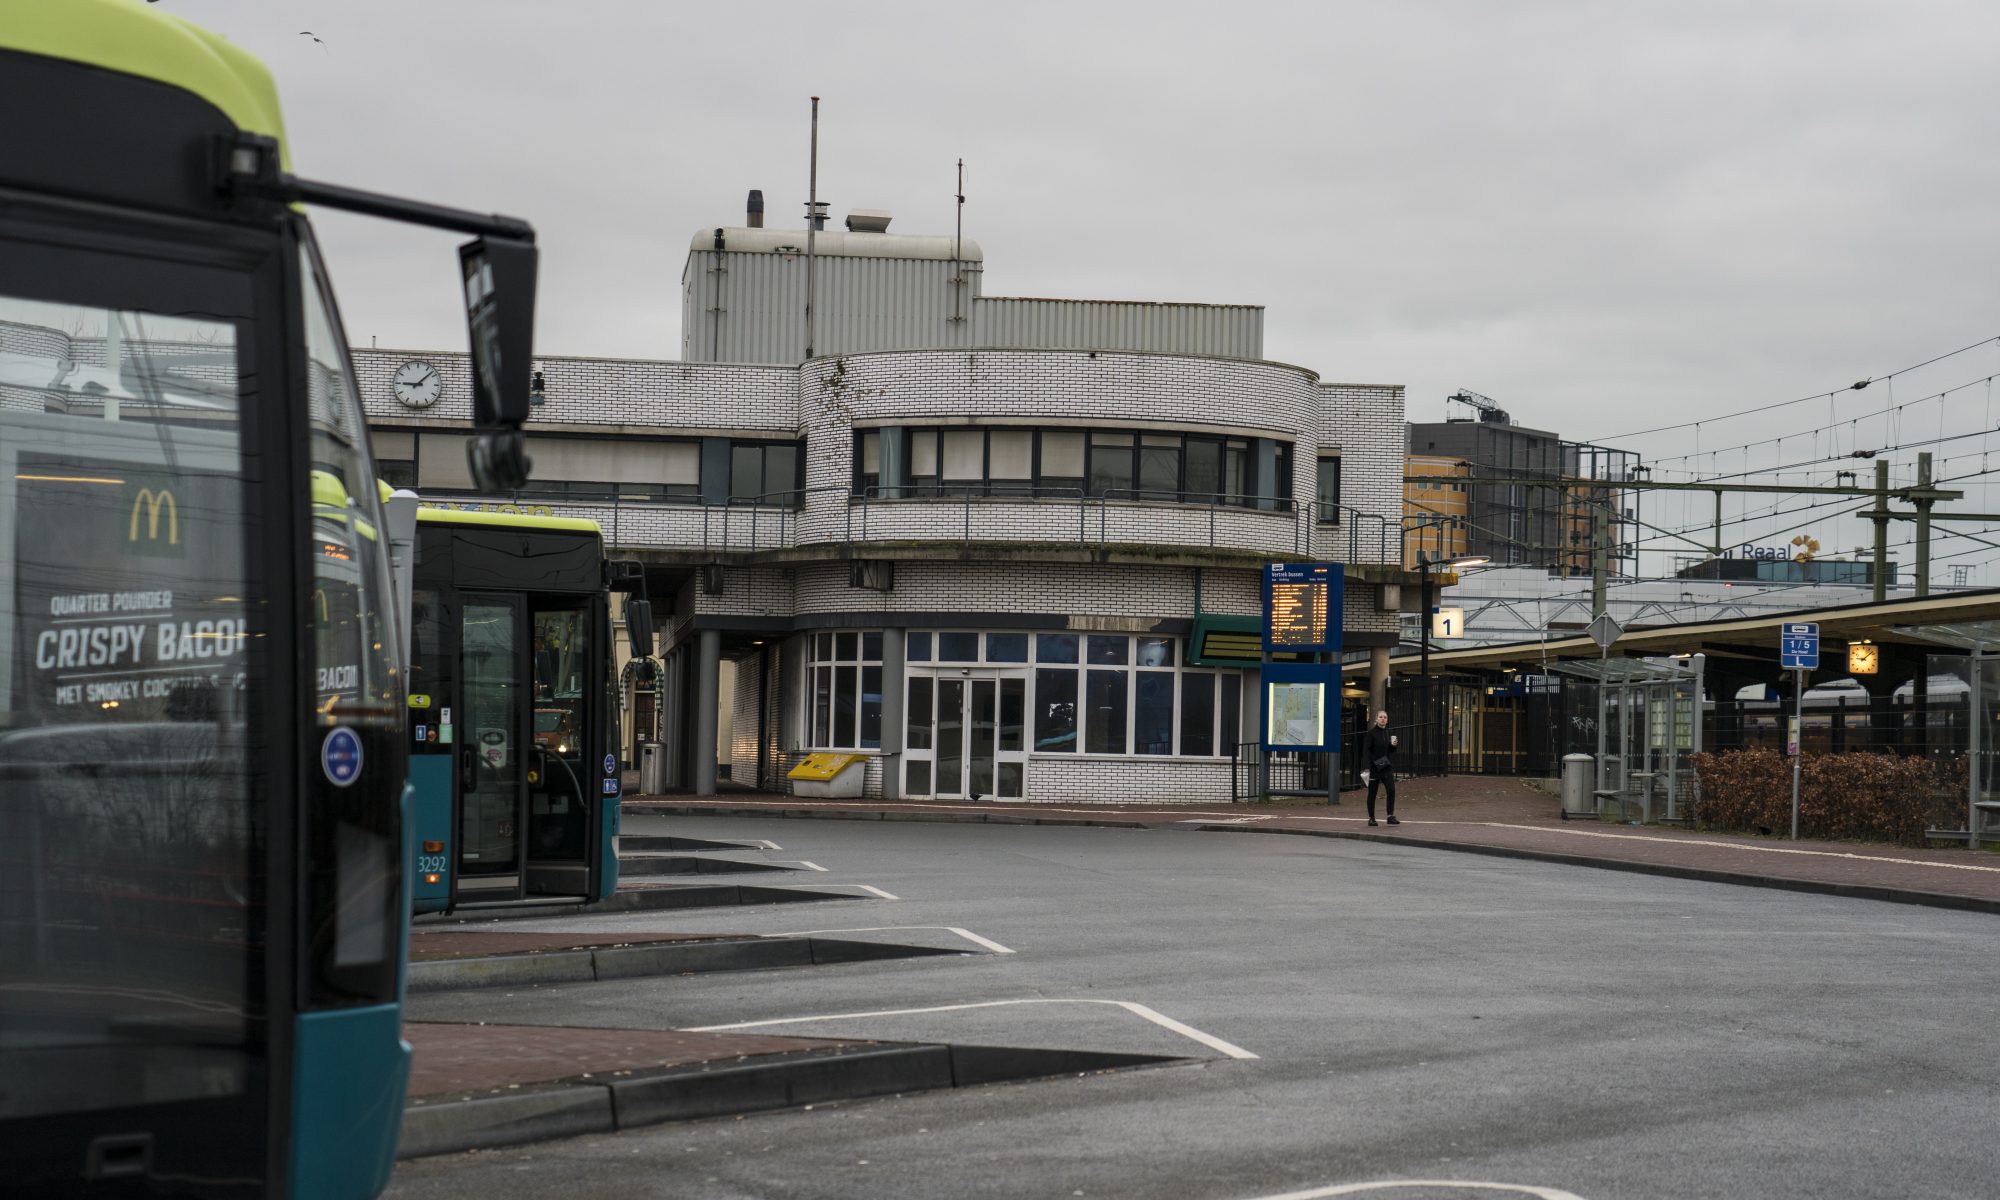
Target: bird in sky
point(309, 33)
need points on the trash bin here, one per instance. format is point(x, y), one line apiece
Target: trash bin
point(1578, 782)
point(652, 768)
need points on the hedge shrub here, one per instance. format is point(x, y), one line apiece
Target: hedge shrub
point(1868, 797)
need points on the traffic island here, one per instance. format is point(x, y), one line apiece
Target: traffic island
point(479, 1086)
point(461, 959)
point(644, 895)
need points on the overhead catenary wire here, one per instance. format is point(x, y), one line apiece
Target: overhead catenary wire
point(1826, 395)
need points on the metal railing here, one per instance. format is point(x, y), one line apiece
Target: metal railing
point(1071, 516)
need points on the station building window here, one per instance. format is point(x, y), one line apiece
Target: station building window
point(1165, 466)
point(980, 706)
point(1327, 490)
point(660, 470)
point(845, 673)
point(1090, 693)
point(766, 473)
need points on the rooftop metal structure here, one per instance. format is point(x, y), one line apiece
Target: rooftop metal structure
point(743, 299)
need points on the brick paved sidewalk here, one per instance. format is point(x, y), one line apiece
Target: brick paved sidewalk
point(1487, 815)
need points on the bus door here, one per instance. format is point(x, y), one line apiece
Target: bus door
point(566, 745)
point(529, 746)
point(492, 763)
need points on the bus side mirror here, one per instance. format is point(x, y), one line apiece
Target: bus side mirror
point(500, 317)
point(499, 278)
point(639, 627)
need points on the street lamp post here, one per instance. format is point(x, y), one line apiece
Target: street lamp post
point(1438, 714)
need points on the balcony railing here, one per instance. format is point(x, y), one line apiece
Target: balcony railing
point(1273, 525)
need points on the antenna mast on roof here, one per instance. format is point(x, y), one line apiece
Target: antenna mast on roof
point(812, 222)
point(957, 255)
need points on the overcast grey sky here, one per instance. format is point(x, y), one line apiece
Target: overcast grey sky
point(1607, 216)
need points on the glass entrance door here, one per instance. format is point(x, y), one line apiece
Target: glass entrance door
point(967, 735)
point(492, 778)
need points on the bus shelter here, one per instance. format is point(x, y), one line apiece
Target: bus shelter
point(1977, 667)
point(1647, 728)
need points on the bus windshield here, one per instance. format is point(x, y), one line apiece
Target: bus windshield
point(130, 620)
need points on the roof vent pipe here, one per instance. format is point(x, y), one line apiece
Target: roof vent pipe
point(755, 216)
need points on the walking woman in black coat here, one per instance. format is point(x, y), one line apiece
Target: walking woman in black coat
point(1378, 754)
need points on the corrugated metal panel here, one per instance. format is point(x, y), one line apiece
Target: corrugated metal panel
point(1226, 330)
point(751, 307)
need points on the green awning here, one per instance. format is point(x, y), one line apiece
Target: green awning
point(1231, 641)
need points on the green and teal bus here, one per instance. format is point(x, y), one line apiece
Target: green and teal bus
point(205, 867)
point(513, 710)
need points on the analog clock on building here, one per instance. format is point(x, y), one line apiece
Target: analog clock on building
point(418, 384)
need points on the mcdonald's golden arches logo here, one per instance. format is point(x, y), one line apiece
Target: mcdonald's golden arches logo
point(151, 502)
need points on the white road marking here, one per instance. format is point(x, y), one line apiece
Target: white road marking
point(869, 887)
point(810, 866)
point(1355, 1189)
point(967, 934)
point(1158, 1018)
point(768, 844)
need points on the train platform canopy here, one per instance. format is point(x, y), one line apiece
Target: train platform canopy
point(1982, 636)
point(1963, 620)
point(1622, 670)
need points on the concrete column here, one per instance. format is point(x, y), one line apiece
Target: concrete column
point(893, 645)
point(707, 701)
point(1378, 680)
point(672, 718)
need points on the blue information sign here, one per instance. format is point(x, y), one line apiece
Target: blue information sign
point(1302, 606)
point(1799, 646)
point(340, 756)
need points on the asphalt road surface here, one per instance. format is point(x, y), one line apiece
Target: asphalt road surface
point(1415, 1015)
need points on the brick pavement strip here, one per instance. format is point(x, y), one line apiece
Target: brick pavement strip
point(455, 1060)
point(1483, 815)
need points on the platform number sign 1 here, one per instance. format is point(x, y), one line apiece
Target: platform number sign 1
point(1447, 622)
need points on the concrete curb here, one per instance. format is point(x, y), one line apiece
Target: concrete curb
point(662, 843)
point(534, 968)
point(717, 1091)
point(648, 899)
point(566, 1108)
point(1855, 891)
point(1818, 887)
point(650, 865)
point(532, 1114)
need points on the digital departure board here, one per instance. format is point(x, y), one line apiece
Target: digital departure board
point(1302, 606)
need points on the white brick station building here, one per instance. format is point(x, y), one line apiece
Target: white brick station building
point(1004, 548)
